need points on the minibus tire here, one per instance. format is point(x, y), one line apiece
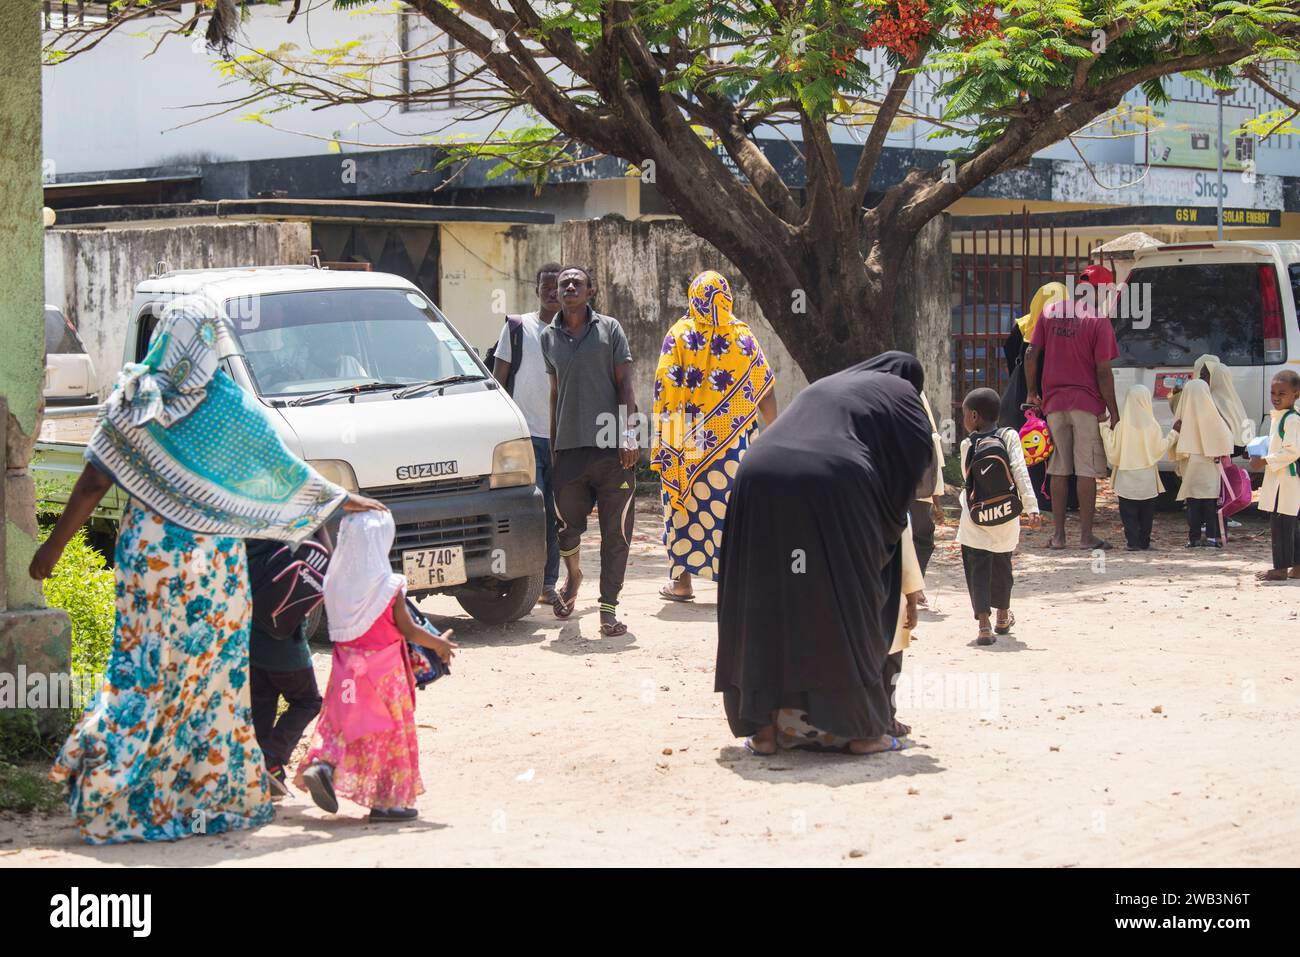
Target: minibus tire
point(510, 602)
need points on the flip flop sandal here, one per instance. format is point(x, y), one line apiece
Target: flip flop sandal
point(988, 639)
point(613, 629)
point(667, 593)
point(563, 609)
point(749, 746)
point(1101, 544)
point(1005, 629)
point(894, 745)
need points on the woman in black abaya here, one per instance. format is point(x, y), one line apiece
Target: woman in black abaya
point(810, 567)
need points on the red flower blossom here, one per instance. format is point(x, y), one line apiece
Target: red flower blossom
point(900, 28)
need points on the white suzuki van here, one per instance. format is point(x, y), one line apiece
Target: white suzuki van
point(368, 381)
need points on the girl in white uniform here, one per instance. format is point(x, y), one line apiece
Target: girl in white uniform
point(1280, 492)
point(1203, 439)
point(1134, 450)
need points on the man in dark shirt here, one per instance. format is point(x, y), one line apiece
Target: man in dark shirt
point(595, 454)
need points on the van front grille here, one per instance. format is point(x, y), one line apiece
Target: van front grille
point(411, 490)
point(473, 532)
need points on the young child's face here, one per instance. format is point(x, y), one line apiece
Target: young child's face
point(970, 419)
point(1283, 395)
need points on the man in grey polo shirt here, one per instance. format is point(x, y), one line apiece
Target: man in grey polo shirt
point(590, 367)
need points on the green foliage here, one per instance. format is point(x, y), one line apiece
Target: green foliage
point(83, 586)
point(26, 788)
point(27, 735)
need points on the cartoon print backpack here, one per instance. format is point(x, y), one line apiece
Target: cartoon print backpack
point(991, 493)
point(1035, 438)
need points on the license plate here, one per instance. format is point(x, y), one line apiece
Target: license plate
point(434, 567)
point(1168, 380)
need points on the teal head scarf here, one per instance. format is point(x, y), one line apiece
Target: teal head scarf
point(179, 435)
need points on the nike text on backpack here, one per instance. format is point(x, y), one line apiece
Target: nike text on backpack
point(516, 324)
point(287, 584)
point(991, 494)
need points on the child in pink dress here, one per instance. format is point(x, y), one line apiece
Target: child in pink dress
point(365, 745)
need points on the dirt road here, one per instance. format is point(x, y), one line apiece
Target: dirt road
point(1146, 711)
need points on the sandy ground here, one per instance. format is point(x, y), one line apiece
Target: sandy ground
point(1144, 712)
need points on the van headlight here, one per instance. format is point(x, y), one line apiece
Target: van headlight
point(513, 464)
point(336, 471)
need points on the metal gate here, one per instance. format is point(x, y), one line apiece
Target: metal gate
point(998, 264)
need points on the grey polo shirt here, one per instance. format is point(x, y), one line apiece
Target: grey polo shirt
point(586, 391)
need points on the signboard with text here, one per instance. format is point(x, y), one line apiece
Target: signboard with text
point(1181, 133)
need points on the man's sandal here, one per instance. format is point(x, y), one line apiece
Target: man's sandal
point(1005, 629)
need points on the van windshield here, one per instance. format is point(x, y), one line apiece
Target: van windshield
point(60, 337)
point(1195, 309)
point(298, 343)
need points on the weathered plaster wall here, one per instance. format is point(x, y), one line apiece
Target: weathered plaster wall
point(923, 312)
point(92, 273)
point(642, 271)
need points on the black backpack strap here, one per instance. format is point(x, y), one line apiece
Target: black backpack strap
point(516, 326)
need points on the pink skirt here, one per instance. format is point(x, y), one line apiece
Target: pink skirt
point(366, 729)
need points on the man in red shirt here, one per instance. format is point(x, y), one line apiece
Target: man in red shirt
point(1074, 344)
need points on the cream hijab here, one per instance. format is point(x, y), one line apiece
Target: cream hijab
point(1138, 443)
point(1225, 397)
point(360, 584)
point(1203, 430)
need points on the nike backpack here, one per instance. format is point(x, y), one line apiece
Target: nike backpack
point(991, 494)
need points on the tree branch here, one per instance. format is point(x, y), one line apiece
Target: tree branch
point(875, 145)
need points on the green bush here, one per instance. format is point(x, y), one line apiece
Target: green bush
point(29, 735)
point(26, 788)
point(82, 585)
point(952, 472)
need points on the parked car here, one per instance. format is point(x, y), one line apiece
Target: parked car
point(69, 372)
point(368, 381)
point(1237, 300)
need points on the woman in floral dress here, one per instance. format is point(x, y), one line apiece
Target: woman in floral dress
point(711, 385)
point(166, 748)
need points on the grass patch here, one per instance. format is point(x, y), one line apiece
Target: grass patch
point(26, 788)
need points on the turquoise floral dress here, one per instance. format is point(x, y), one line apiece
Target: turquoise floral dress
point(166, 748)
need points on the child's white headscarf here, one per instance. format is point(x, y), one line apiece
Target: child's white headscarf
point(1225, 397)
point(1138, 442)
point(360, 584)
point(1203, 430)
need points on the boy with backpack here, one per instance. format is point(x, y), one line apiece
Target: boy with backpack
point(281, 666)
point(997, 491)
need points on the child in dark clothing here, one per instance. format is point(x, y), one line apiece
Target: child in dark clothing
point(279, 667)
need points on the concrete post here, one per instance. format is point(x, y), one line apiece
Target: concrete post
point(31, 635)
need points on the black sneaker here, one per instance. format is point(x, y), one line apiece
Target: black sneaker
point(279, 785)
point(319, 779)
point(388, 814)
point(1196, 544)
